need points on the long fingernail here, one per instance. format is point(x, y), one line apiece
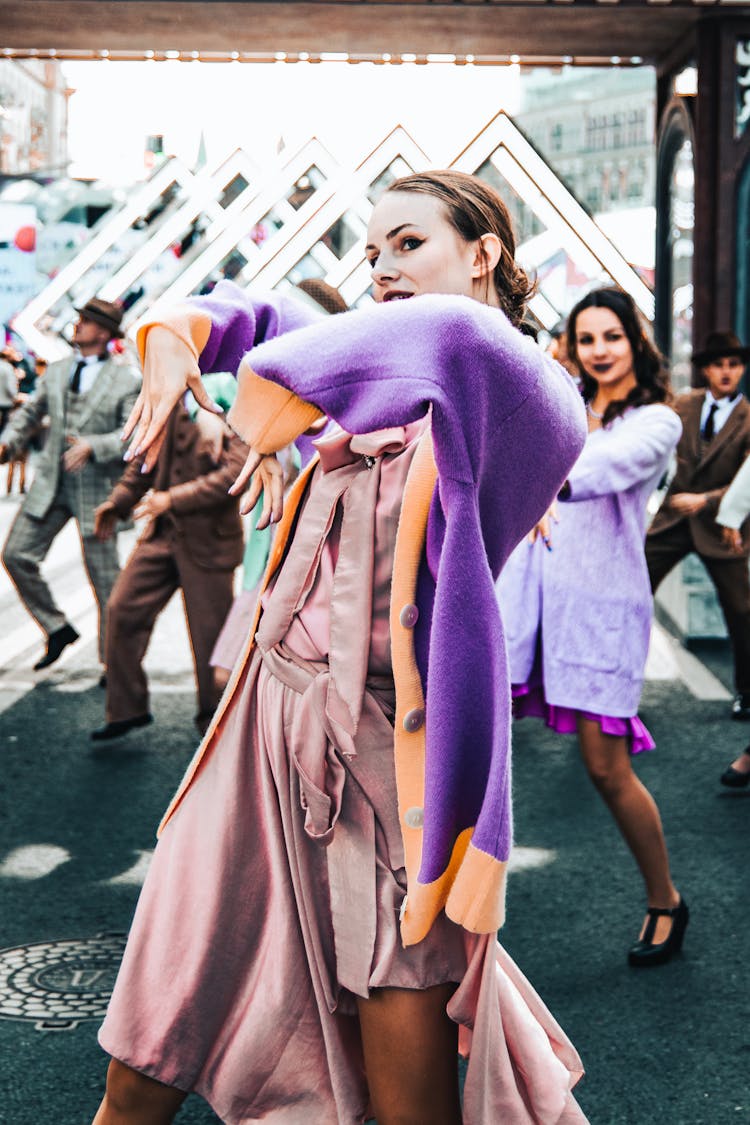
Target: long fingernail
point(144, 468)
point(127, 455)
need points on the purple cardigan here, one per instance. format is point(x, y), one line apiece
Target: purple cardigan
point(507, 425)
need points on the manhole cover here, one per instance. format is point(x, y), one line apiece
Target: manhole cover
point(57, 984)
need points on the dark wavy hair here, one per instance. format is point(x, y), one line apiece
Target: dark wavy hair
point(473, 209)
point(652, 376)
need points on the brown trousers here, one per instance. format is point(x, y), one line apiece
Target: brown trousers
point(730, 578)
point(155, 570)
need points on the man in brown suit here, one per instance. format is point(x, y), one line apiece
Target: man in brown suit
point(193, 542)
point(715, 441)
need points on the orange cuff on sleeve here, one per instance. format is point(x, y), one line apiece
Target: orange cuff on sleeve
point(188, 323)
point(268, 416)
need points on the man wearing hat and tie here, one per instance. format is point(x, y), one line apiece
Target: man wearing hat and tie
point(715, 441)
point(88, 399)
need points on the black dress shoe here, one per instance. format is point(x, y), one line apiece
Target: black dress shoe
point(118, 727)
point(645, 952)
point(741, 707)
point(56, 642)
point(103, 680)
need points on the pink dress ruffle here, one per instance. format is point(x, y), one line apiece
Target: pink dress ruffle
point(529, 702)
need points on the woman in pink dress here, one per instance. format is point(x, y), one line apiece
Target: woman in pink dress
point(316, 938)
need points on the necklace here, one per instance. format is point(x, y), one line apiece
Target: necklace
point(594, 413)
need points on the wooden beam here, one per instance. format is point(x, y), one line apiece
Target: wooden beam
point(556, 30)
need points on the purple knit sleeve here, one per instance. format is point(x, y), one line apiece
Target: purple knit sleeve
point(628, 454)
point(242, 318)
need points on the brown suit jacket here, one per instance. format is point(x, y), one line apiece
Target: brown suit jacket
point(203, 520)
point(707, 468)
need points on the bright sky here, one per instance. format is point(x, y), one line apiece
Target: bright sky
point(350, 108)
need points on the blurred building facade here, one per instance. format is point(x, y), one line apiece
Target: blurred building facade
point(33, 118)
point(597, 128)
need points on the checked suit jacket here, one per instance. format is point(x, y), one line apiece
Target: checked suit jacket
point(707, 467)
point(100, 416)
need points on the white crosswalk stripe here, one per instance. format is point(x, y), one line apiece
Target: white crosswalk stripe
point(526, 859)
point(135, 875)
point(33, 861)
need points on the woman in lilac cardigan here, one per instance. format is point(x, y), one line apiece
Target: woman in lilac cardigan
point(576, 601)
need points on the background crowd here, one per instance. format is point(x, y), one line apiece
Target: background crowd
point(575, 598)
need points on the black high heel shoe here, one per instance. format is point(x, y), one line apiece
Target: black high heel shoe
point(736, 779)
point(645, 952)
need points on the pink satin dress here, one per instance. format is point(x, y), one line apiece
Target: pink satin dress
point(273, 897)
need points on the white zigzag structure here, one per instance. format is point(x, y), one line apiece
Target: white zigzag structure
point(306, 216)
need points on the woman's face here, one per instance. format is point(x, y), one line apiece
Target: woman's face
point(413, 249)
point(604, 351)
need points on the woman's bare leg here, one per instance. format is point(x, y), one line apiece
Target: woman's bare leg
point(221, 678)
point(411, 1056)
point(134, 1099)
point(635, 812)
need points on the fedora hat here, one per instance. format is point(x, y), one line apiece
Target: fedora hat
point(719, 344)
point(105, 313)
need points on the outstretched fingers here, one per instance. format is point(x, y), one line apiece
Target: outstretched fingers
point(134, 417)
point(252, 462)
point(272, 476)
point(252, 495)
point(268, 479)
point(201, 395)
point(170, 368)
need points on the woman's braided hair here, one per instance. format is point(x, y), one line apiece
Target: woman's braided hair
point(474, 208)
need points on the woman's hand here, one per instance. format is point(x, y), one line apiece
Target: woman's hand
point(169, 369)
point(543, 529)
point(268, 478)
point(688, 503)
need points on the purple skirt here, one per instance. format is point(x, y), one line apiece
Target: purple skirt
point(529, 700)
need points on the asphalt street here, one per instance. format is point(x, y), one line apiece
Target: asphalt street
point(668, 1045)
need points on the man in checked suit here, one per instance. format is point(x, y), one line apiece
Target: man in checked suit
point(88, 399)
point(715, 441)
